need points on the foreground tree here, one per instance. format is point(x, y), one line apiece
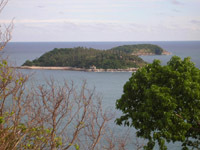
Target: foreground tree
point(54, 116)
point(5, 30)
point(51, 116)
point(163, 103)
point(46, 117)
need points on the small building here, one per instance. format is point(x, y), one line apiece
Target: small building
point(93, 67)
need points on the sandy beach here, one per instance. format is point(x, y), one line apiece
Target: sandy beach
point(77, 69)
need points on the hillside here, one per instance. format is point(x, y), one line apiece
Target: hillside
point(140, 49)
point(121, 57)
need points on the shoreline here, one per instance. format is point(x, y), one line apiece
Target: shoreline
point(152, 54)
point(77, 69)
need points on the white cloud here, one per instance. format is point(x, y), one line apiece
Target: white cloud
point(196, 22)
point(176, 2)
point(59, 21)
point(102, 19)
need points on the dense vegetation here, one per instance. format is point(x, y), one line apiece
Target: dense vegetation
point(115, 58)
point(140, 48)
point(163, 103)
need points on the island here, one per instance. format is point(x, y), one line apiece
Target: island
point(121, 58)
point(142, 49)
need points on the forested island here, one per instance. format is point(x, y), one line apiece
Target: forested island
point(121, 57)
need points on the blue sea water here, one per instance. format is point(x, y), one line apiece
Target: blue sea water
point(109, 85)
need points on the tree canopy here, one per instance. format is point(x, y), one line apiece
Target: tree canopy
point(145, 48)
point(163, 103)
point(81, 57)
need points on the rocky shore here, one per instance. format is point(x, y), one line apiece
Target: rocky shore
point(77, 69)
point(151, 54)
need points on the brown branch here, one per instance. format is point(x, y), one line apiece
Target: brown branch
point(5, 34)
point(3, 3)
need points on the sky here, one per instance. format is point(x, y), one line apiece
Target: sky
point(103, 20)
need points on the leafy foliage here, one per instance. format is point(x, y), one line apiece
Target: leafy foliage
point(53, 116)
point(116, 58)
point(134, 49)
point(163, 103)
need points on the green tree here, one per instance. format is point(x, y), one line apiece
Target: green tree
point(163, 103)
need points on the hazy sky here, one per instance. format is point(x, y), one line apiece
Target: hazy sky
point(103, 20)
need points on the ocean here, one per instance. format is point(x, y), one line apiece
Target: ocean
point(109, 85)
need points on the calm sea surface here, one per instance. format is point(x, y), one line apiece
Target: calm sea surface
point(107, 84)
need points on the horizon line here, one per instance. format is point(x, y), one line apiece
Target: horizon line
point(105, 41)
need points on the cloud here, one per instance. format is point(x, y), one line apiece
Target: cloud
point(176, 2)
point(101, 19)
point(41, 6)
point(95, 25)
point(59, 21)
point(175, 10)
point(197, 22)
point(87, 30)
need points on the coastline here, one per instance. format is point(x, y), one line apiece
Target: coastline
point(77, 69)
point(152, 54)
